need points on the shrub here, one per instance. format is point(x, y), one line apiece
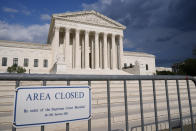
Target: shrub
point(16, 69)
point(20, 69)
point(165, 73)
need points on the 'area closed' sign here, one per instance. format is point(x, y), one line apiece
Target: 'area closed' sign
point(46, 105)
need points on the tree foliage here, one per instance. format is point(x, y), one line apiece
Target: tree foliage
point(16, 69)
point(194, 51)
point(188, 67)
point(165, 73)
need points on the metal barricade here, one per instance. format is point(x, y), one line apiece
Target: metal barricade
point(108, 78)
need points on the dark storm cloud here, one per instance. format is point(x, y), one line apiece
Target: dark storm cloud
point(166, 28)
point(167, 62)
point(163, 39)
point(182, 14)
point(135, 13)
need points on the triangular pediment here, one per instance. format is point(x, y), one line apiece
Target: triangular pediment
point(90, 17)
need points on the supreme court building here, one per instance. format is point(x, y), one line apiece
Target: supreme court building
point(84, 42)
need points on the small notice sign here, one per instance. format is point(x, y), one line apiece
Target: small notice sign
point(47, 105)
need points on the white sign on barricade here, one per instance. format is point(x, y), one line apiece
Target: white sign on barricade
point(47, 105)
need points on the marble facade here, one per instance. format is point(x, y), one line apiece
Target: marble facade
point(84, 42)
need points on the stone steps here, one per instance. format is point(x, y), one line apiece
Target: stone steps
point(130, 95)
point(6, 99)
point(136, 107)
point(120, 108)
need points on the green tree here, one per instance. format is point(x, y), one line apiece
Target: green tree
point(12, 68)
point(165, 73)
point(20, 69)
point(188, 67)
point(194, 51)
point(16, 69)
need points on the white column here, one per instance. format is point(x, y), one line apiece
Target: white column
point(77, 50)
point(105, 51)
point(86, 49)
point(82, 52)
point(73, 50)
point(67, 47)
point(96, 50)
point(121, 51)
point(92, 53)
point(55, 43)
point(100, 53)
point(109, 52)
point(118, 53)
point(64, 46)
point(113, 52)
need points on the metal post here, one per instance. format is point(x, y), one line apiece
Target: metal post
point(17, 85)
point(190, 105)
point(108, 103)
point(89, 121)
point(168, 106)
point(42, 126)
point(155, 105)
point(67, 124)
point(68, 83)
point(179, 105)
point(126, 106)
point(13, 128)
point(141, 105)
point(44, 83)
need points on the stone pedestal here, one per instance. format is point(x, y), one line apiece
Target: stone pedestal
point(60, 65)
point(60, 68)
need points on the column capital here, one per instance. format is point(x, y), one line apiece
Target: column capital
point(67, 28)
point(114, 34)
point(86, 31)
point(105, 33)
point(97, 32)
point(77, 30)
point(120, 35)
point(56, 28)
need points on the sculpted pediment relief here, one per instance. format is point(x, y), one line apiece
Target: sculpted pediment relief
point(90, 17)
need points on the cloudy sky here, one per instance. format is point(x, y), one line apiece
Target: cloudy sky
point(165, 28)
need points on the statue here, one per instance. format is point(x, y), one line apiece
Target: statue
point(60, 59)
